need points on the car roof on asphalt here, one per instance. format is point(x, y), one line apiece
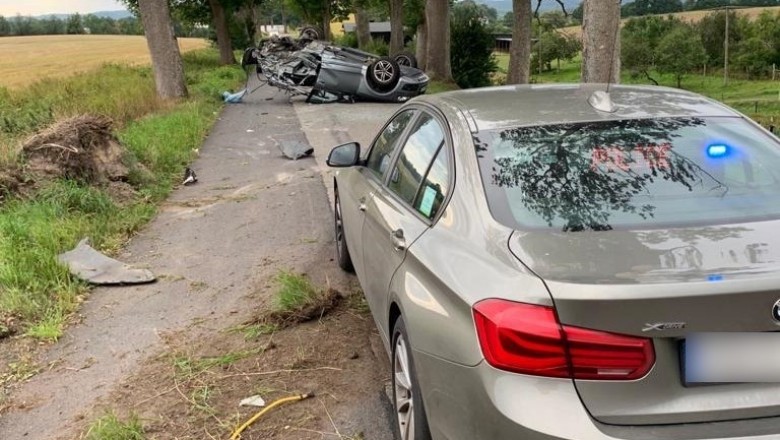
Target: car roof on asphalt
point(524, 105)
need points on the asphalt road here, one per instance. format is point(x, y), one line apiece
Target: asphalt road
point(250, 204)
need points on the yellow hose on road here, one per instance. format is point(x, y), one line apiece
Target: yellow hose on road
point(237, 432)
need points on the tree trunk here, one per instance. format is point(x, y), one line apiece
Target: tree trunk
point(326, 19)
point(601, 41)
point(421, 51)
point(396, 26)
point(362, 27)
point(166, 59)
point(223, 34)
point(437, 18)
point(520, 48)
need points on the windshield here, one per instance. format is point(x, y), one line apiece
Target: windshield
point(642, 173)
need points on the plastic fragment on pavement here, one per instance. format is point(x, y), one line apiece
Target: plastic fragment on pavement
point(95, 268)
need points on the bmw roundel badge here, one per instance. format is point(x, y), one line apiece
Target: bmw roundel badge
point(776, 311)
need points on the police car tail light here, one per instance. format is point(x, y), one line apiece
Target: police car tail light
point(528, 339)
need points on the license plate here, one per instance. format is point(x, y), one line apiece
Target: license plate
point(731, 357)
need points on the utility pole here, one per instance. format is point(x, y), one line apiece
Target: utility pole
point(726, 51)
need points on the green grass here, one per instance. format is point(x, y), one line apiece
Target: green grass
point(295, 292)
point(254, 331)
point(187, 367)
point(759, 99)
point(161, 137)
point(110, 427)
point(440, 87)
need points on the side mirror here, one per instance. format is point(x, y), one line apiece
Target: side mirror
point(345, 155)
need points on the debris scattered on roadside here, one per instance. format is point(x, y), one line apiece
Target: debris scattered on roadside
point(250, 131)
point(299, 301)
point(255, 400)
point(237, 432)
point(189, 177)
point(95, 268)
point(234, 98)
point(295, 149)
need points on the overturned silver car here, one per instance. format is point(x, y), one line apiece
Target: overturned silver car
point(326, 73)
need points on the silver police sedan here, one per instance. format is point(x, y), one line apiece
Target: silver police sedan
point(558, 262)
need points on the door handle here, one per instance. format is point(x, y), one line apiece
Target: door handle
point(398, 240)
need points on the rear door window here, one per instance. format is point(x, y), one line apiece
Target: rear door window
point(417, 178)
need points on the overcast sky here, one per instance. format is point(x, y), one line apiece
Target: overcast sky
point(40, 7)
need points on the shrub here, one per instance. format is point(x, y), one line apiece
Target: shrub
point(471, 52)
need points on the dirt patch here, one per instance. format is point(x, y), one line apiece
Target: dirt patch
point(82, 148)
point(192, 390)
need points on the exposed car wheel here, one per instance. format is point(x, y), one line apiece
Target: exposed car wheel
point(342, 252)
point(383, 74)
point(309, 33)
point(405, 59)
point(407, 401)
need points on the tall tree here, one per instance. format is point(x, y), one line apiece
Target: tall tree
point(520, 49)
point(437, 20)
point(74, 24)
point(166, 59)
point(362, 25)
point(601, 41)
point(223, 33)
point(396, 26)
point(5, 27)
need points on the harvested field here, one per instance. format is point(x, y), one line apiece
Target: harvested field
point(24, 60)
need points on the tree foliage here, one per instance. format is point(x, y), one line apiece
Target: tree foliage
point(679, 52)
point(471, 54)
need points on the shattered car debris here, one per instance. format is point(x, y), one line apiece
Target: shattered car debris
point(328, 73)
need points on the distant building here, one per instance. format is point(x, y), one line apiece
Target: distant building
point(379, 30)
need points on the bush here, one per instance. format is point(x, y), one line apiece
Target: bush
point(471, 52)
point(346, 40)
point(378, 47)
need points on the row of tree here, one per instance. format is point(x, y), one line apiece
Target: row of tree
point(669, 45)
point(431, 19)
point(653, 7)
point(74, 24)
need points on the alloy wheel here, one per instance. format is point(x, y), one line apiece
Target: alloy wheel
point(402, 381)
point(384, 71)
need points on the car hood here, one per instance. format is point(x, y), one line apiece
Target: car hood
point(704, 253)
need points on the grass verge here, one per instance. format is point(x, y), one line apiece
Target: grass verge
point(36, 293)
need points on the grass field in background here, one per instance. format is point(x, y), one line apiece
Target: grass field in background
point(25, 60)
point(759, 99)
point(692, 17)
point(34, 289)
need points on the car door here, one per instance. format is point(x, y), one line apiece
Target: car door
point(392, 223)
point(356, 187)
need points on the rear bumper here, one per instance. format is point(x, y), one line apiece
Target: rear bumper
point(482, 403)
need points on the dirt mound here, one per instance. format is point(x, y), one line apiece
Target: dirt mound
point(82, 148)
point(317, 307)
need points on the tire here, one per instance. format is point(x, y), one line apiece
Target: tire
point(383, 74)
point(405, 59)
point(309, 33)
point(342, 252)
point(411, 423)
